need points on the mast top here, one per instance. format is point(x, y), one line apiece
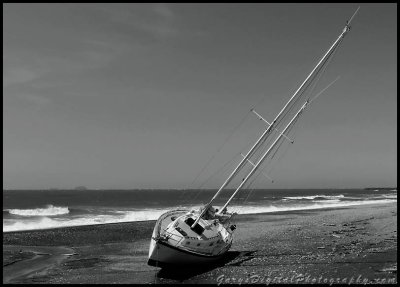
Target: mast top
point(347, 27)
point(348, 22)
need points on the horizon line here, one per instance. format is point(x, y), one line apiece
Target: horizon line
point(132, 189)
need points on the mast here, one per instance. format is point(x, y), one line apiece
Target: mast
point(264, 155)
point(272, 125)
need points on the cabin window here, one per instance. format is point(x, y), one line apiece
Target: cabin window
point(189, 221)
point(197, 228)
point(198, 244)
point(187, 242)
point(211, 244)
point(181, 231)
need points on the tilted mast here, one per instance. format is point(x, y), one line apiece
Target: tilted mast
point(264, 155)
point(271, 127)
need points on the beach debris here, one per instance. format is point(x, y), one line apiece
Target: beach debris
point(390, 239)
point(70, 254)
point(391, 269)
point(321, 247)
point(335, 235)
point(307, 237)
point(329, 224)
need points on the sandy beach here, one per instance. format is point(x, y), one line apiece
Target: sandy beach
point(342, 245)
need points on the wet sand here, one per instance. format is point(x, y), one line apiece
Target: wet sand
point(350, 245)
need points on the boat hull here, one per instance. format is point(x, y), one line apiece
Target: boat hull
point(164, 250)
point(163, 254)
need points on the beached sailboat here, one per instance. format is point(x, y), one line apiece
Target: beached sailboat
point(203, 236)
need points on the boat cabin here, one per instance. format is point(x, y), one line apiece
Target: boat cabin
point(204, 235)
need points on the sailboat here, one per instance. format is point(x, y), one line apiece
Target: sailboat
point(203, 236)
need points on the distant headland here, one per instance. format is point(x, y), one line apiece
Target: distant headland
point(381, 188)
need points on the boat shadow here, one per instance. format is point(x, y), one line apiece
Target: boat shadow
point(231, 258)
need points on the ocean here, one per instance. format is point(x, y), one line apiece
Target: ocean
point(42, 209)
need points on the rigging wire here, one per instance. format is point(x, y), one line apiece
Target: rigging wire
point(294, 128)
point(214, 155)
point(306, 90)
point(250, 184)
point(241, 153)
point(314, 79)
point(310, 92)
point(263, 149)
point(282, 151)
point(270, 159)
point(223, 168)
point(324, 69)
point(239, 180)
point(248, 187)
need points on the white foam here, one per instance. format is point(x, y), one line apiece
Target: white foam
point(314, 196)
point(154, 214)
point(49, 210)
point(327, 204)
point(46, 222)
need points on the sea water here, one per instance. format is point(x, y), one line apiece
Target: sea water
point(42, 209)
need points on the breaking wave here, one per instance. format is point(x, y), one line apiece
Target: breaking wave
point(314, 197)
point(49, 210)
point(153, 214)
point(119, 216)
point(326, 204)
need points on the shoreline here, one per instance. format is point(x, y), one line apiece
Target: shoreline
point(238, 216)
point(342, 242)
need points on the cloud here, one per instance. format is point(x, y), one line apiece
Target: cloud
point(156, 20)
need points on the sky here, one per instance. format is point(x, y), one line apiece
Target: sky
point(125, 96)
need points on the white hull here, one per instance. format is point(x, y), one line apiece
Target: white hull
point(167, 246)
point(204, 236)
point(163, 254)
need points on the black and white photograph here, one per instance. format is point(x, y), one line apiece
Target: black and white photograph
point(200, 143)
